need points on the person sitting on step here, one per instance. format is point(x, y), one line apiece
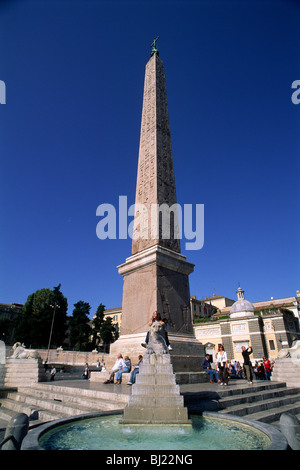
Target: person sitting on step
point(125, 369)
point(119, 364)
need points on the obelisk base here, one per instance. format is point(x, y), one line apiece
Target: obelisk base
point(156, 279)
point(186, 352)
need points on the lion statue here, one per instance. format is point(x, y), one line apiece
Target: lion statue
point(20, 352)
point(293, 352)
point(157, 343)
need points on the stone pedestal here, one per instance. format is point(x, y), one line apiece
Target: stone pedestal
point(155, 397)
point(23, 372)
point(156, 279)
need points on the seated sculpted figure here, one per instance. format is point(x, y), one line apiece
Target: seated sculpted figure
point(20, 352)
point(157, 343)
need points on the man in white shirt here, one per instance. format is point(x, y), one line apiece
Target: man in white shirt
point(119, 364)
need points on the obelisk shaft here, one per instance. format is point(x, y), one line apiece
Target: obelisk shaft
point(155, 178)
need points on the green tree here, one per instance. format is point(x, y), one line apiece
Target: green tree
point(5, 326)
point(80, 330)
point(107, 333)
point(97, 323)
point(34, 324)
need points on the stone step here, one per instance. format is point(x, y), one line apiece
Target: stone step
point(161, 402)
point(6, 414)
point(263, 405)
point(110, 395)
point(272, 416)
point(227, 398)
point(93, 402)
point(23, 404)
point(11, 407)
point(101, 377)
point(60, 407)
point(155, 379)
point(191, 377)
point(40, 399)
point(155, 390)
point(46, 402)
point(157, 369)
point(257, 396)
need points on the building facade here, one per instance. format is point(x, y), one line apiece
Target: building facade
point(268, 326)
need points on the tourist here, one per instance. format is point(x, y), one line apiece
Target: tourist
point(124, 369)
point(261, 371)
point(86, 372)
point(46, 365)
point(221, 359)
point(247, 363)
point(136, 369)
point(267, 368)
point(52, 373)
point(206, 365)
point(165, 321)
point(232, 372)
point(240, 370)
point(119, 364)
point(255, 370)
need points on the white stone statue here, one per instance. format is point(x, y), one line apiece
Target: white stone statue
point(20, 352)
point(157, 343)
point(2, 352)
point(293, 352)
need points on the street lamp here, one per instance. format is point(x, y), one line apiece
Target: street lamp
point(55, 306)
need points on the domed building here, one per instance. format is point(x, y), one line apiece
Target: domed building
point(267, 330)
point(242, 307)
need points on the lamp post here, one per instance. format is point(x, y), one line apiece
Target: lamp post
point(55, 306)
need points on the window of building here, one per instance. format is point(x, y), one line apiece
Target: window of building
point(272, 345)
point(239, 344)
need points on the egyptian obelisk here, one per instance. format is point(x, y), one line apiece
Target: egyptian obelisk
point(156, 275)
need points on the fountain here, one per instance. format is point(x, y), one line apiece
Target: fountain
point(154, 419)
point(103, 431)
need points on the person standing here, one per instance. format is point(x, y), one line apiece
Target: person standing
point(165, 321)
point(267, 367)
point(221, 359)
point(86, 372)
point(52, 373)
point(247, 363)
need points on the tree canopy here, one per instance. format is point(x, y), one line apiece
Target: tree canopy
point(34, 324)
point(80, 330)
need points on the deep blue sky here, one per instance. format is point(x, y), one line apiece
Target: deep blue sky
point(69, 137)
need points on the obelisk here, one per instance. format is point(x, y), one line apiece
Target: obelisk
point(156, 275)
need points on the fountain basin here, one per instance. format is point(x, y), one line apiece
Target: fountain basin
point(103, 431)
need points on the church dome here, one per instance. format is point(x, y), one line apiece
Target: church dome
point(241, 307)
